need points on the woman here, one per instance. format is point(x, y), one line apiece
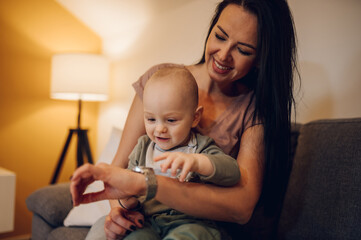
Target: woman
point(245, 81)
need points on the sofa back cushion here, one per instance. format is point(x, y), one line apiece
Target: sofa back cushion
point(323, 200)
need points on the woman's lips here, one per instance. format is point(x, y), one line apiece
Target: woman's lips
point(217, 67)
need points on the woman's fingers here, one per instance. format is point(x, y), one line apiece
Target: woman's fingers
point(121, 222)
point(82, 177)
point(136, 217)
point(86, 171)
point(117, 183)
point(112, 230)
point(120, 218)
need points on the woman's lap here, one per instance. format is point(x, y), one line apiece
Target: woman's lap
point(96, 232)
point(163, 226)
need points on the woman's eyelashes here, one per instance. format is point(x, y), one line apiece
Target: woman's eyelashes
point(240, 50)
point(243, 52)
point(219, 37)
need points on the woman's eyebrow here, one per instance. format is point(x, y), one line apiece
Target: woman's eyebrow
point(242, 43)
point(224, 32)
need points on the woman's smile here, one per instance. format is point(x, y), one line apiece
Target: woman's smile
point(221, 69)
point(231, 46)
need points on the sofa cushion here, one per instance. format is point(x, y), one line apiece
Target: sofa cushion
point(62, 233)
point(261, 226)
point(40, 229)
point(323, 200)
point(51, 203)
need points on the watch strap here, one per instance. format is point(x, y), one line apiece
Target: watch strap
point(152, 185)
point(151, 182)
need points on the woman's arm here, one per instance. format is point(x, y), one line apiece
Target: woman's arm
point(133, 129)
point(119, 220)
point(234, 204)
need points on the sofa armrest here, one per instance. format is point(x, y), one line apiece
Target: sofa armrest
point(323, 199)
point(52, 203)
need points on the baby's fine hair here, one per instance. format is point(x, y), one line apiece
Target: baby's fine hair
point(182, 78)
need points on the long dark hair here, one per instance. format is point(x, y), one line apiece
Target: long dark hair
point(272, 83)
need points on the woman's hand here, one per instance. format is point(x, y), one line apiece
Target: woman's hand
point(118, 183)
point(120, 222)
point(131, 203)
point(187, 162)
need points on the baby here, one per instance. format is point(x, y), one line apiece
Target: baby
point(173, 149)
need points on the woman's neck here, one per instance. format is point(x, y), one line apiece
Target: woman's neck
point(214, 99)
point(210, 87)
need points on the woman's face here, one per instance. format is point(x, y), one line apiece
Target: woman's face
point(231, 45)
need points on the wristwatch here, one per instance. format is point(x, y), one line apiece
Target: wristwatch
point(151, 182)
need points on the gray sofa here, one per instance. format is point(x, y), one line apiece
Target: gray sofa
point(323, 199)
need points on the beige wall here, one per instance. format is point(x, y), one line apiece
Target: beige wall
point(175, 32)
point(329, 36)
point(33, 127)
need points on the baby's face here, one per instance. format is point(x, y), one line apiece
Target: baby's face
point(168, 116)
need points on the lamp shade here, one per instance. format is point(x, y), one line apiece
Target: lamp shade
point(79, 77)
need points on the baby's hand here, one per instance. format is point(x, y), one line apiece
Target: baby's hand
point(187, 162)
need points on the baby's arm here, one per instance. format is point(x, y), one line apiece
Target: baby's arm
point(211, 164)
point(187, 162)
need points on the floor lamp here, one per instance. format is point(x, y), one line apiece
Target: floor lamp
point(78, 77)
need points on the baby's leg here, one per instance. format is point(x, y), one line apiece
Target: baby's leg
point(147, 232)
point(193, 231)
point(97, 232)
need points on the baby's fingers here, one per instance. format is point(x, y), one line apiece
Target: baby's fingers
point(176, 164)
point(166, 165)
point(161, 157)
point(186, 169)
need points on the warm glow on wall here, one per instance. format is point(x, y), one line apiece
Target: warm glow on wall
point(49, 26)
point(33, 126)
point(119, 23)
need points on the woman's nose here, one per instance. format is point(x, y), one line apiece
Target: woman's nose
point(224, 54)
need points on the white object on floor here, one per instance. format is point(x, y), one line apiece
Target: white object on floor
point(7, 200)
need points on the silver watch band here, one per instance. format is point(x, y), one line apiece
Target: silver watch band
point(151, 182)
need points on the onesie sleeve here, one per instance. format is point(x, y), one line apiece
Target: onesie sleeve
point(226, 170)
point(137, 156)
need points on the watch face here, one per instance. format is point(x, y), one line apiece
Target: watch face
point(140, 169)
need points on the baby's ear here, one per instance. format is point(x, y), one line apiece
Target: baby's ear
point(197, 116)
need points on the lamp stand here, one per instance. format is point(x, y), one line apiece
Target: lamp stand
point(83, 147)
